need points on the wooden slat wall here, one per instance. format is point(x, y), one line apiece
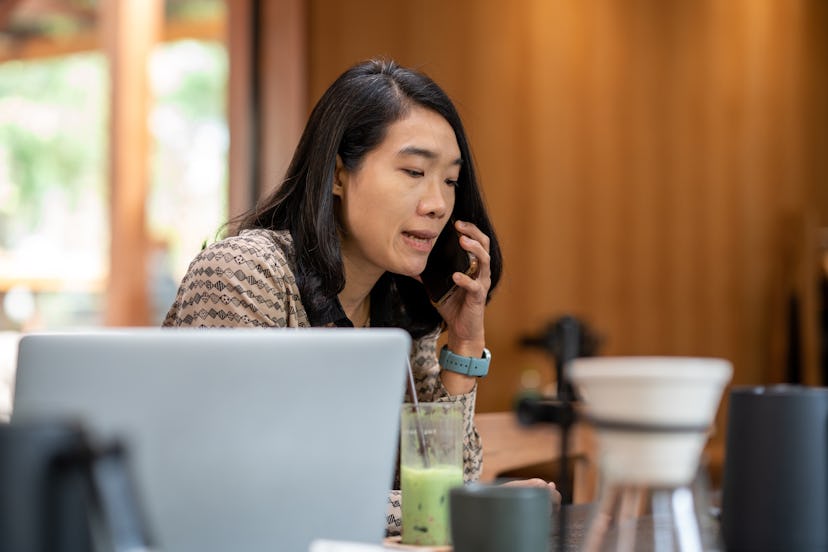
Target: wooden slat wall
point(653, 167)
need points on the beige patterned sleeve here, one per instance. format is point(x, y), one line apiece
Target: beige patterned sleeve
point(430, 389)
point(241, 281)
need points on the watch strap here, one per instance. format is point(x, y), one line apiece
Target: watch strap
point(468, 366)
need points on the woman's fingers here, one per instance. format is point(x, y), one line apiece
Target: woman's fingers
point(474, 241)
point(477, 243)
point(472, 231)
point(537, 482)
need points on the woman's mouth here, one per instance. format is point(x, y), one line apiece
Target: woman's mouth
point(420, 241)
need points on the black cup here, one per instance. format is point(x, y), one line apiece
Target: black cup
point(494, 518)
point(775, 486)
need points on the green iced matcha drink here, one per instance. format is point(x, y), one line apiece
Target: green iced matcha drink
point(425, 503)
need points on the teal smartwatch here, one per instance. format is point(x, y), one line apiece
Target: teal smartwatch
point(468, 366)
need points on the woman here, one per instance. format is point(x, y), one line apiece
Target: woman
point(381, 168)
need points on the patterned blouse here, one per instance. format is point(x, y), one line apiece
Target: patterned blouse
point(248, 281)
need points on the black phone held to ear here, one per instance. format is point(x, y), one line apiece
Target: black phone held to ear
point(446, 258)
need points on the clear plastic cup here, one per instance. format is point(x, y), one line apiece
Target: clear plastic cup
point(431, 464)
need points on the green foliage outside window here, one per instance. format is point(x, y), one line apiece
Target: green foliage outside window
point(53, 171)
point(51, 138)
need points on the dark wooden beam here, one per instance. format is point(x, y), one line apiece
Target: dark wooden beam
point(283, 62)
point(268, 98)
point(243, 110)
point(41, 47)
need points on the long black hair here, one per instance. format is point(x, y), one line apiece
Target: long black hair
point(351, 119)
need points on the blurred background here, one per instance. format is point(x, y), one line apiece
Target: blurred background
point(655, 168)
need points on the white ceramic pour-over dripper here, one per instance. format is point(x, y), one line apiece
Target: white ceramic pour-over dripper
point(651, 414)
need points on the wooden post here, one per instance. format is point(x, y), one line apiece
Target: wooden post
point(283, 59)
point(130, 29)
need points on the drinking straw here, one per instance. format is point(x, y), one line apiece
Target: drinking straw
point(417, 423)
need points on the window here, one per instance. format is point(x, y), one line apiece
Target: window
point(188, 198)
point(53, 221)
point(54, 210)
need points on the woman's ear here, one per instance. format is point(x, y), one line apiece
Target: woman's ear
point(339, 176)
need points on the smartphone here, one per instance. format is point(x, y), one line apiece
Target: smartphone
point(446, 258)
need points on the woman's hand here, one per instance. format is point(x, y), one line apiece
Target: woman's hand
point(554, 495)
point(464, 311)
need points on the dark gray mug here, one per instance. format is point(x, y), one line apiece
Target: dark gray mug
point(494, 518)
point(775, 485)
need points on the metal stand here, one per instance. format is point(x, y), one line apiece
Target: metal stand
point(564, 339)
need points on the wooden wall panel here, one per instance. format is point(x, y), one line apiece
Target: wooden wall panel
point(653, 167)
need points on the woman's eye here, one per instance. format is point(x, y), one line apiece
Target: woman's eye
point(414, 173)
point(452, 183)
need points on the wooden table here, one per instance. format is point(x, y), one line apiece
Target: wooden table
point(508, 445)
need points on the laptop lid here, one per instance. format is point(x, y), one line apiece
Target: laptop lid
point(238, 439)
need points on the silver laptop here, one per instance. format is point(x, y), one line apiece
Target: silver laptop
point(242, 440)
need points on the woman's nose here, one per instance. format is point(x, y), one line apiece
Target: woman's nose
point(434, 200)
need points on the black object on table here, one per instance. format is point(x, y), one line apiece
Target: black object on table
point(565, 339)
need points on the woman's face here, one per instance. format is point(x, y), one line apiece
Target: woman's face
point(394, 205)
